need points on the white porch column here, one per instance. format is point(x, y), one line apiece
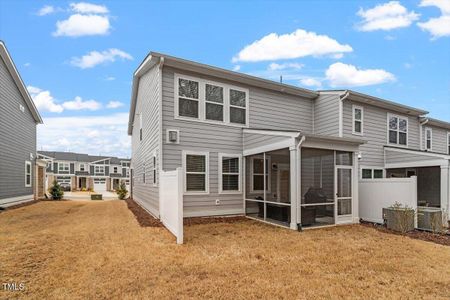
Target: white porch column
point(293, 186)
point(445, 187)
point(355, 192)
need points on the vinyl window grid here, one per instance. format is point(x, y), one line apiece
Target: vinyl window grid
point(28, 172)
point(206, 172)
point(221, 173)
point(359, 120)
point(202, 101)
point(397, 130)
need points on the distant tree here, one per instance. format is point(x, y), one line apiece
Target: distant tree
point(122, 191)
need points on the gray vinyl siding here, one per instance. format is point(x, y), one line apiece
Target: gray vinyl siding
point(147, 104)
point(401, 157)
point(375, 132)
point(438, 139)
point(267, 110)
point(326, 114)
point(18, 136)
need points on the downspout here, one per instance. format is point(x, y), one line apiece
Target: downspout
point(161, 134)
point(424, 122)
point(341, 113)
point(299, 182)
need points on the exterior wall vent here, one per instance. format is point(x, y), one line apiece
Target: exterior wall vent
point(173, 136)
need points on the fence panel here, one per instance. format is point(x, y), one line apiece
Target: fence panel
point(171, 193)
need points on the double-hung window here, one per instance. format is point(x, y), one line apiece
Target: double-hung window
point(428, 138)
point(154, 169)
point(206, 101)
point(397, 130)
point(140, 126)
point(115, 170)
point(259, 172)
point(63, 167)
point(358, 114)
point(229, 173)
point(196, 172)
point(448, 142)
point(99, 170)
point(214, 102)
point(238, 106)
point(27, 173)
point(188, 98)
point(143, 173)
point(82, 167)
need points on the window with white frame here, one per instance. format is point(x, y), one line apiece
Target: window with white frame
point(28, 174)
point(63, 167)
point(127, 172)
point(259, 172)
point(140, 127)
point(358, 115)
point(195, 166)
point(229, 173)
point(208, 101)
point(397, 130)
point(154, 169)
point(428, 138)
point(214, 102)
point(143, 173)
point(448, 142)
point(188, 98)
point(82, 167)
point(238, 104)
point(371, 173)
point(99, 170)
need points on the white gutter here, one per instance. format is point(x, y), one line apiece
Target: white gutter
point(424, 122)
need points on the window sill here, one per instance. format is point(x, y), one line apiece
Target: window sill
point(211, 122)
point(230, 192)
point(195, 193)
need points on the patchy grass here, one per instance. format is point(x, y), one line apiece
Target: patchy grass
point(86, 250)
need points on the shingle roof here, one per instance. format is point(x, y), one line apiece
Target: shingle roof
point(81, 157)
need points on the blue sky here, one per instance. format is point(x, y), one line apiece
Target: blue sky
point(78, 57)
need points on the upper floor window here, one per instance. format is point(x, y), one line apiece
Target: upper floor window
point(99, 170)
point(448, 142)
point(208, 101)
point(63, 167)
point(397, 130)
point(358, 113)
point(428, 138)
point(27, 174)
point(82, 167)
point(140, 126)
point(115, 170)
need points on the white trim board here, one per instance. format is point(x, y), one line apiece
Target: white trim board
point(6, 202)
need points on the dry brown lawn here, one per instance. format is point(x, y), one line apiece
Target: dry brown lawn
point(87, 250)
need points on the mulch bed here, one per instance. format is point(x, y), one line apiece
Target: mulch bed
point(211, 220)
point(442, 239)
point(144, 218)
point(19, 205)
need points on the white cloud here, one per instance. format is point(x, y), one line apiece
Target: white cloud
point(236, 68)
point(440, 26)
point(110, 78)
point(114, 104)
point(299, 43)
point(407, 65)
point(46, 10)
point(80, 25)
point(27, 64)
point(43, 100)
point(275, 66)
point(311, 82)
point(386, 16)
point(340, 74)
point(88, 8)
point(79, 104)
point(94, 58)
point(105, 135)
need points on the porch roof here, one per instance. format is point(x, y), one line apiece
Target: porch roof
point(257, 140)
point(396, 157)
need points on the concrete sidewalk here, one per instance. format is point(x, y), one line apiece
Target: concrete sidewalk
point(87, 195)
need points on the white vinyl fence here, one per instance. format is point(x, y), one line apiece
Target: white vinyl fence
point(171, 194)
point(376, 194)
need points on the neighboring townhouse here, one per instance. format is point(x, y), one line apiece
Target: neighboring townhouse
point(401, 141)
point(78, 172)
point(18, 120)
point(273, 152)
